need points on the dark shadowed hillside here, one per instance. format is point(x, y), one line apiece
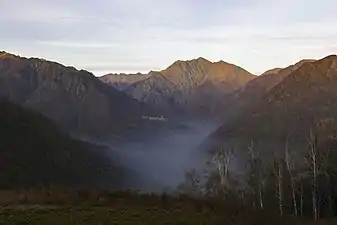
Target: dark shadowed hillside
point(34, 152)
point(195, 87)
point(74, 99)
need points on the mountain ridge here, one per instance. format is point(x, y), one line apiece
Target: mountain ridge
point(303, 100)
point(67, 95)
point(122, 81)
point(190, 86)
point(260, 85)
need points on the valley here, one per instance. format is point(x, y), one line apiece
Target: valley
point(201, 130)
point(169, 112)
point(161, 158)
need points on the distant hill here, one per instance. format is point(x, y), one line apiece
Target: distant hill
point(306, 98)
point(195, 87)
point(34, 152)
point(123, 81)
point(74, 99)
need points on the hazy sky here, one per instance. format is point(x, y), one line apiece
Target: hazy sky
point(141, 35)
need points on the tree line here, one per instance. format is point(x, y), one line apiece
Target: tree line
point(297, 182)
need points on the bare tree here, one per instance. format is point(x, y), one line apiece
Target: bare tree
point(222, 160)
point(312, 161)
point(327, 169)
point(290, 164)
point(301, 198)
point(319, 164)
point(278, 172)
point(256, 169)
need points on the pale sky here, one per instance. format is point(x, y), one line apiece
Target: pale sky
point(105, 36)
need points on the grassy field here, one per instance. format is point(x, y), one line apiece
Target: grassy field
point(101, 216)
point(80, 207)
point(123, 216)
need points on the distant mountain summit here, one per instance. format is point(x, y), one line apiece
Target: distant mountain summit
point(123, 81)
point(74, 99)
point(196, 72)
point(272, 71)
point(193, 87)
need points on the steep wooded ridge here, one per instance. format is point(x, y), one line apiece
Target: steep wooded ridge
point(194, 87)
point(305, 99)
point(34, 152)
point(74, 99)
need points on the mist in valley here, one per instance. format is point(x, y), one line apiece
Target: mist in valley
point(160, 161)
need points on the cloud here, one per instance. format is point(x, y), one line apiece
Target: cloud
point(255, 34)
point(73, 44)
point(36, 11)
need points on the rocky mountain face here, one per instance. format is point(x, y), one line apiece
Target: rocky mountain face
point(261, 85)
point(305, 99)
point(194, 87)
point(249, 95)
point(74, 99)
point(34, 152)
point(122, 81)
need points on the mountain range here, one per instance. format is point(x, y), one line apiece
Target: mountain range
point(195, 87)
point(46, 96)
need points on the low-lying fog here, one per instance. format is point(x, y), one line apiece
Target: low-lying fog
point(161, 161)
